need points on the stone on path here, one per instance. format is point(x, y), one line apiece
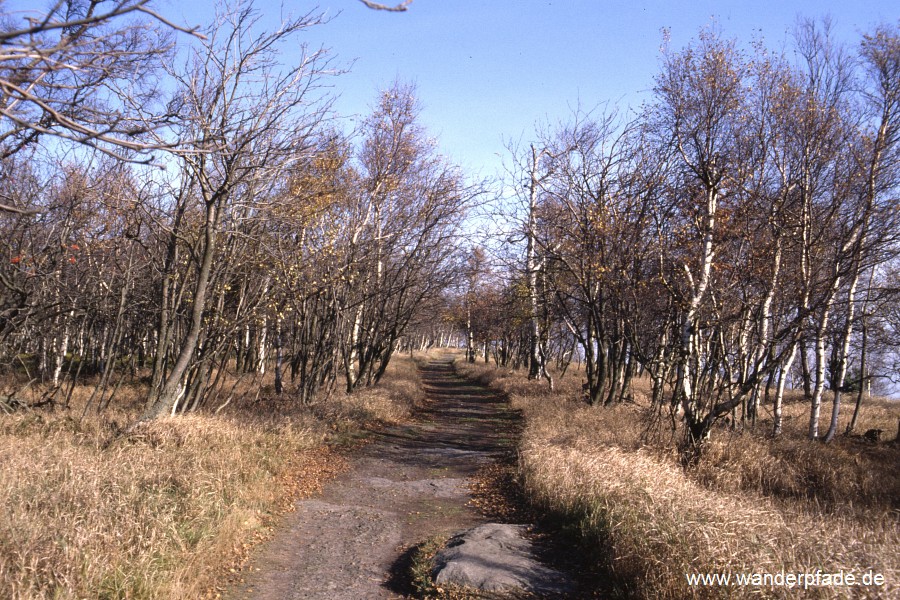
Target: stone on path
point(496, 558)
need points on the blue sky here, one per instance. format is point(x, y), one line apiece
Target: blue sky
point(487, 71)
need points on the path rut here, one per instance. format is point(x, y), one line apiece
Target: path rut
point(409, 484)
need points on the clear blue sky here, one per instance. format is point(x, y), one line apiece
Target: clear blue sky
point(489, 70)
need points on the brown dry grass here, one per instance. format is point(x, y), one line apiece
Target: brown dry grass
point(751, 504)
point(170, 511)
point(393, 401)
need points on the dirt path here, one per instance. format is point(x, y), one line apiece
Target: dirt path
point(352, 541)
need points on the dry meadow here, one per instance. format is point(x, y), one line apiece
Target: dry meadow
point(750, 505)
point(171, 510)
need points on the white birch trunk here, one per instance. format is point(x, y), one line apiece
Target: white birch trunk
point(688, 350)
point(779, 392)
point(843, 357)
point(534, 369)
point(816, 403)
point(262, 347)
point(61, 350)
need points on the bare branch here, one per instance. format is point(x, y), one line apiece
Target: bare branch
point(84, 76)
point(402, 7)
point(17, 211)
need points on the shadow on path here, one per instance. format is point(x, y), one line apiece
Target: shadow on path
point(410, 484)
point(462, 426)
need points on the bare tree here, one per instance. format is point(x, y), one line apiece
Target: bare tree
point(244, 120)
point(877, 158)
point(85, 73)
point(700, 92)
point(403, 231)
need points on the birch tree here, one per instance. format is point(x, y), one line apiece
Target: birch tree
point(700, 95)
point(875, 162)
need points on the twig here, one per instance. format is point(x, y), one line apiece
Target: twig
point(377, 6)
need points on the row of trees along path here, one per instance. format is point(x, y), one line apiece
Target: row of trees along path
point(739, 235)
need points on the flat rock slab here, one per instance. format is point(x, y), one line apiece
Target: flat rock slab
point(496, 558)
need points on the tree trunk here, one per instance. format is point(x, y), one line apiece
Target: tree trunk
point(863, 374)
point(843, 354)
point(279, 388)
point(779, 392)
point(535, 365)
point(173, 389)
